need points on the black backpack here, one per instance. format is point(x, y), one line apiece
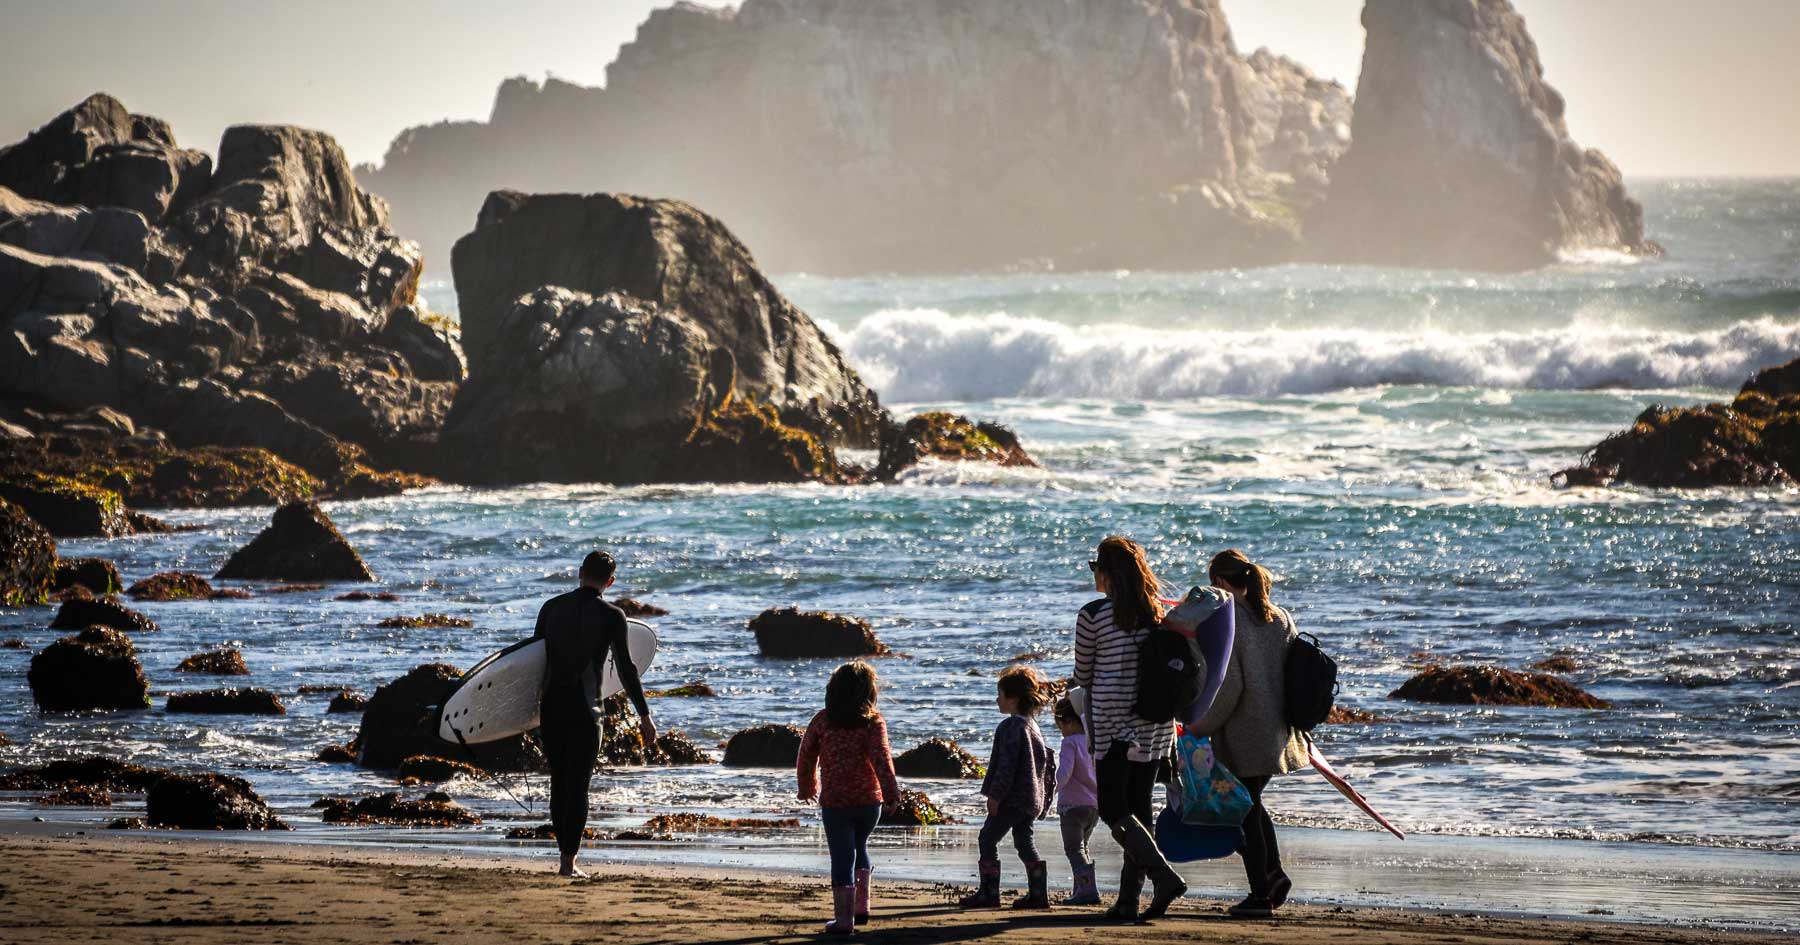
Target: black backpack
point(1171, 674)
point(1310, 678)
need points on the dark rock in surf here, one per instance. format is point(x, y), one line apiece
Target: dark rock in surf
point(1459, 155)
point(637, 608)
point(400, 721)
point(1345, 715)
point(698, 689)
point(433, 810)
point(347, 702)
point(764, 746)
point(227, 702)
point(77, 796)
point(100, 612)
point(175, 585)
point(789, 633)
point(1494, 685)
point(27, 558)
point(94, 669)
point(938, 758)
point(427, 769)
point(338, 754)
point(1777, 382)
point(94, 772)
point(208, 802)
point(66, 507)
point(943, 435)
point(675, 748)
point(300, 544)
point(915, 809)
point(97, 575)
point(224, 661)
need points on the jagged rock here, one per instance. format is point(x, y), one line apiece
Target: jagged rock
point(943, 435)
point(94, 669)
point(938, 758)
point(27, 558)
point(101, 612)
point(1777, 382)
point(400, 721)
point(66, 507)
point(220, 662)
point(637, 608)
point(300, 544)
point(208, 802)
point(764, 746)
point(1459, 154)
point(348, 702)
point(788, 633)
point(1753, 441)
point(228, 702)
point(1165, 146)
point(92, 773)
point(97, 575)
point(915, 810)
point(391, 808)
point(1493, 685)
point(262, 304)
point(429, 769)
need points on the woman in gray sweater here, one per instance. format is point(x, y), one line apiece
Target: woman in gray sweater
point(1248, 724)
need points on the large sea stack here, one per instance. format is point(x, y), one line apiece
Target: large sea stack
point(259, 302)
point(623, 339)
point(881, 135)
point(1459, 156)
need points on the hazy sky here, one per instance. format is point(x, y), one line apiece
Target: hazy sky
point(1664, 87)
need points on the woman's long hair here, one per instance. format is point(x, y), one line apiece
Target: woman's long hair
point(850, 695)
point(1129, 582)
point(1234, 566)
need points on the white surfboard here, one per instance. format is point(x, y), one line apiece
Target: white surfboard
point(500, 697)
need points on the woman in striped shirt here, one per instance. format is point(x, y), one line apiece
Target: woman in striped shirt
point(1128, 749)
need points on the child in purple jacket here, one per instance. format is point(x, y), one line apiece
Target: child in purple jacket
point(1077, 803)
point(1019, 786)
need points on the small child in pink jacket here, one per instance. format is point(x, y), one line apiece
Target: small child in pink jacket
point(1077, 804)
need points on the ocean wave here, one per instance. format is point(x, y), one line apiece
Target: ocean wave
point(927, 354)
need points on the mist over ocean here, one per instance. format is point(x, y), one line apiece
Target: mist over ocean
point(1382, 439)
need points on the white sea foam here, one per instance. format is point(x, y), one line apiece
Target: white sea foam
point(927, 354)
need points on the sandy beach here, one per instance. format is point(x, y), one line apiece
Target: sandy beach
point(67, 888)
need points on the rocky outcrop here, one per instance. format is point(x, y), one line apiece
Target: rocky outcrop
point(879, 135)
point(764, 746)
point(1459, 155)
point(208, 802)
point(1752, 441)
point(97, 575)
point(432, 810)
point(424, 622)
point(145, 471)
point(95, 669)
point(260, 303)
point(100, 612)
point(431, 770)
point(224, 661)
point(68, 508)
point(947, 436)
point(179, 585)
point(788, 633)
point(247, 701)
point(27, 558)
point(1493, 685)
point(93, 773)
point(300, 544)
point(938, 758)
point(915, 809)
point(347, 702)
point(400, 721)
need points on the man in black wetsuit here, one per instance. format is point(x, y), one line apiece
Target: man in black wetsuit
point(579, 630)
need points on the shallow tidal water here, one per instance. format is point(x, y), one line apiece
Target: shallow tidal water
point(1382, 440)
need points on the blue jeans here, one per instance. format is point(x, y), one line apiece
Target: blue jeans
point(847, 832)
point(1003, 821)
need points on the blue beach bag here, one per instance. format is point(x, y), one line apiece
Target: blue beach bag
point(1211, 796)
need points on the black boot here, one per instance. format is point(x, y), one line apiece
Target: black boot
point(1140, 846)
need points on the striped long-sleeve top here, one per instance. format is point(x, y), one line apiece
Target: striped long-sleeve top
point(1106, 665)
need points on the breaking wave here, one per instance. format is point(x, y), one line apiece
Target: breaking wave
point(927, 354)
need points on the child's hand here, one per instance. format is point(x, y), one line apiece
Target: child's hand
point(888, 809)
point(808, 795)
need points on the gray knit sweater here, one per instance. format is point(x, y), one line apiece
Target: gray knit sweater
point(1249, 729)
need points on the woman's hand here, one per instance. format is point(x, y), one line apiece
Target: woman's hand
point(993, 806)
point(888, 809)
point(809, 795)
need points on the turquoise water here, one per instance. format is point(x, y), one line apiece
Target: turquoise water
point(1381, 439)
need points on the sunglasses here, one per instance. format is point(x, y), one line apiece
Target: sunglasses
point(1094, 566)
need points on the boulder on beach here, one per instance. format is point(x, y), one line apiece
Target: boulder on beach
point(432, 810)
point(943, 435)
point(432, 770)
point(1752, 441)
point(790, 633)
point(764, 746)
point(400, 721)
point(915, 810)
point(208, 802)
point(1459, 155)
point(300, 544)
point(938, 758)
point(27, 558)
point(78, 796)
point(95, 669)
point(246, 701)
point(76, 613)
point(93, 772)
point(1494, 685)
point(224, 661)
point(97, 575)
point(624, 744)
point(675, 748)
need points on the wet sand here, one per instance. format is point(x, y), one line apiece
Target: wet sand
point(157, 888)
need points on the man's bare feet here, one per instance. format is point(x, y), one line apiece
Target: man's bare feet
point(570, 870)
